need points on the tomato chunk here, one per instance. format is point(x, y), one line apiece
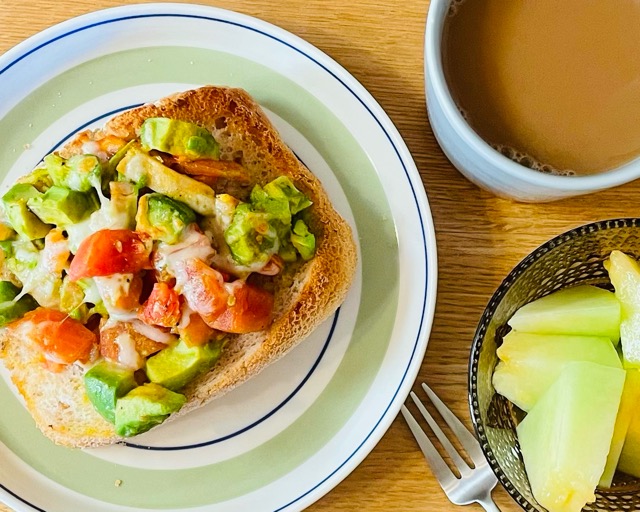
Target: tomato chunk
point(203, 289)
point(110, 347)
point(111, 251)
point(58, 335)
point(196, 332)
point(249, 309)
point(162, 307)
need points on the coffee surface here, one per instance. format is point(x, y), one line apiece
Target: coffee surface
point(555, 81)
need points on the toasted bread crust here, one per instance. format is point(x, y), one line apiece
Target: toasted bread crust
point(305, 294)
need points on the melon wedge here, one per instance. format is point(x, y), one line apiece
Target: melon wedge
point(565, 438)
point(628, 405)
point(529, 363)
point(629, 461)
point(581, 310)
point(624, 273)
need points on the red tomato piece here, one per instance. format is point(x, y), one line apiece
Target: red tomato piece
point(249, 309)
point(162, 307)
point(111, 251)
point(203, 289)
point(59, 336)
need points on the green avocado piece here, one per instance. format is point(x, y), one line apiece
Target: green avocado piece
point(6, 246)
point(39, 178)
point(179, 138)
point(303, 240)
point(276, 207)
point(283, 188)
point(72, 300)
point(24, 221)
point(174, 367)
point(115, 159)
point(62, 206)
point(250, 236)
point(263, 227)
point(105, 383)
point(145, 407)
point(8, 291)
point(10, 310)
point(163, 218)
point(80, 172)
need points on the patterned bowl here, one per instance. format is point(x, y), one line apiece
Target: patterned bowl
point(574, 257)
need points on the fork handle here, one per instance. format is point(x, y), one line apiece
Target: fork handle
point(488, 504)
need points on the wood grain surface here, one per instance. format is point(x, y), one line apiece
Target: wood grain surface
point(480, 237)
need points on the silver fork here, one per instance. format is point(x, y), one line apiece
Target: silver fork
point(474, 484)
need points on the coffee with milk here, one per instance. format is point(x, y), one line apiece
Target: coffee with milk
point(554, 85)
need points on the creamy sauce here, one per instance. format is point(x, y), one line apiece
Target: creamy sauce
point(127, 354)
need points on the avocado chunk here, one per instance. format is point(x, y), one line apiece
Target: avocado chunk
point(24, 221)
point(8, 291)
point(146, 171)
point(262, 227)
point(250, 236)
point(178, 138)
point(163, 218)
point(104, 384)
point(10, 310)
point(284, 189)
point(174, 367)
point(80, 172)
point(303, 240)
point(39, 178)
point(62, 206)
point(145, 407)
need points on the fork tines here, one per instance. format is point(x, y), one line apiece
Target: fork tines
point(466, 439)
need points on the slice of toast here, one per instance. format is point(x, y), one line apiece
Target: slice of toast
point(306, 293)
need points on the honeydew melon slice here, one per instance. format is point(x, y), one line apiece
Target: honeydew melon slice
point(566, 436)
point(529, 363)
point(580, 310)
point(629, 461)
point(628, 407)
point(624, 273)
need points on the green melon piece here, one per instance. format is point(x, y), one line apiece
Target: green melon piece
point(629, 461)
point(566, 436)
point(582, 310)
point(530, 363)
point(624, 273)
point(628, 406)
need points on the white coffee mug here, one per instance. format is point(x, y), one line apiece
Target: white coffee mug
point(476, 159)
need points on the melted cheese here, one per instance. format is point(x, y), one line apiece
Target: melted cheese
point(109, 289)
point(107, 217)
point(193, 245)
point(91, 147)
point(153, 333)
point(36, 276)
point(127, 354)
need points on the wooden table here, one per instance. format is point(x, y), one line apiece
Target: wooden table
point(480, 237)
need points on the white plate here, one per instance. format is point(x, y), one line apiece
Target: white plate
point(288, 436)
